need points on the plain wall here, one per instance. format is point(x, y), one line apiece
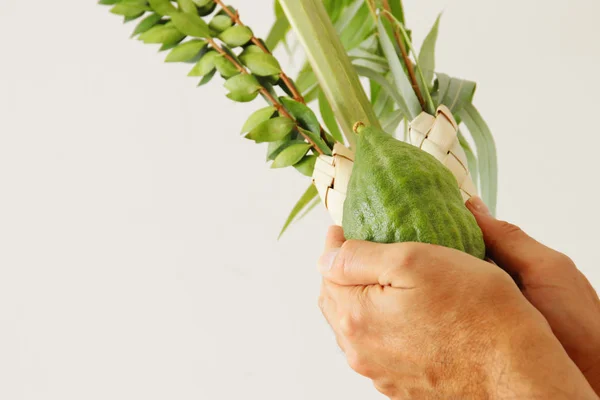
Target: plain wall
point(138, 232)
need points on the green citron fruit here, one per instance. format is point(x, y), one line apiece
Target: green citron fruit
point(399, 193)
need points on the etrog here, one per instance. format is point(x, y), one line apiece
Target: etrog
point(399, 193)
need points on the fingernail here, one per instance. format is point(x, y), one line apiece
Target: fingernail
point(326, 260)
point(477, 205)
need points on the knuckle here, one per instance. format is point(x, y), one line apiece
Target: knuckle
point(348, 327)
point(510, 229)
point(358, 363)
point(551, 261)
point(386, 387)
point(321, 303)
point(340, 343)
point(504, 231)
point(350, 245)
point(403, 258)
point(351, 325)
point(562, 260)
point(407, 255)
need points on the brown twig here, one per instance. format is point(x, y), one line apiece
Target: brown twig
point(372, 8)
point(262, 90)
point(405, 57)
point(286, 79)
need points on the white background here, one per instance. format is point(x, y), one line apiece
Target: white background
point(138, 251)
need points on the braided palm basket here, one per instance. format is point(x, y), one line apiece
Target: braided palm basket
point(436, 135)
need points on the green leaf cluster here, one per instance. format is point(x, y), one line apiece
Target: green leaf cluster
point(285, 136)
point(206, 35)
point(200, 32)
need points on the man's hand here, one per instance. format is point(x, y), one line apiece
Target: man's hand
point(553, 284)
point(427, 322)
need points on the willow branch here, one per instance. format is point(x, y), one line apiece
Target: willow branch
point(404, 53)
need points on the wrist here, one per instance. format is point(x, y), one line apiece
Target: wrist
point(592, 375)
point(531, 363)
point(587, 357)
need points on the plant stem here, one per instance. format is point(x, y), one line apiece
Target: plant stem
point(372, 8)
point(430, 107)
point(235, 17)
point(404, 53)
point(329, 60)
point(262, 90)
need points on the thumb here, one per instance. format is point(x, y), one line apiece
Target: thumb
point(506, 244)
point(361, 263)
point(353, 263)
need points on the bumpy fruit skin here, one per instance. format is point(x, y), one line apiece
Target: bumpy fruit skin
point(399, 193)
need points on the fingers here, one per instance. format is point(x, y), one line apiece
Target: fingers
point(355, 263)
point(333, 242)
point(329, 309)
point(507, 244)
point(358, 263)
point(349, 315)
point(349, 310)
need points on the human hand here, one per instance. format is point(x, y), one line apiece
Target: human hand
point(553, 284)
point(427, 322)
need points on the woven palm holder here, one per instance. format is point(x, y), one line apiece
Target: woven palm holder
point(436, 135)
point(331, 177)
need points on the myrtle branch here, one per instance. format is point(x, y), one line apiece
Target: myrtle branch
point(289, 83)
point(185, 21)
point(263, 91)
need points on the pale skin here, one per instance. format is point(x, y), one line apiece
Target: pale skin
point(428, 322)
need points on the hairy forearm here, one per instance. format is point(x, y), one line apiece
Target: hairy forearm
point(586, 353)
point(535, 366)
point(592, 375)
